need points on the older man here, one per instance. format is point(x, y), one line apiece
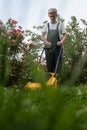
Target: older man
point(51, 36)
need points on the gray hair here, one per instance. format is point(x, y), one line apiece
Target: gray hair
point(52, 10)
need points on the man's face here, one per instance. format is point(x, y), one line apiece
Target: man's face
point(52, 17)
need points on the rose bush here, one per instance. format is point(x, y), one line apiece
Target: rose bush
point(15, 64)
point(11, 41)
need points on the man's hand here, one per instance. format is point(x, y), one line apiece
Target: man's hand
point(59, 43)
point(48, 43)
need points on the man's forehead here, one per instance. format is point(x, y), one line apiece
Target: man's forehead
point(52, 13)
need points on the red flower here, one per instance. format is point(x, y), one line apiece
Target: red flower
point(13, 41)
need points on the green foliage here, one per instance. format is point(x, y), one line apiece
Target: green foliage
point(75, 53)
point(4, 62)
point(44, 109)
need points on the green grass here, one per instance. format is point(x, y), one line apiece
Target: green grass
point(43, 109)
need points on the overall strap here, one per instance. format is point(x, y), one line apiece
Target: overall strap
point(58, 29)
point(58, 25)
point(49, 26)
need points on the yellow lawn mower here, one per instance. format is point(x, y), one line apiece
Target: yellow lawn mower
point(52, 81)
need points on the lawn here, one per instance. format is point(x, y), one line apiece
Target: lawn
point(44, 109)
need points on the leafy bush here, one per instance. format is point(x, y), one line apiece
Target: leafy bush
point(74, 66)
point(15, 66)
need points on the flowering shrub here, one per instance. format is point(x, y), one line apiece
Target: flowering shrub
point(15, 33)
point(14, 51)
point(11, 40)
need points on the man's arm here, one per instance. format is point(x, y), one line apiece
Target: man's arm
point(44, 39)
point(62, 40)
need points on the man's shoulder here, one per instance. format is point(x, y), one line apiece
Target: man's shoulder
point(60, 23)
point(46, 24)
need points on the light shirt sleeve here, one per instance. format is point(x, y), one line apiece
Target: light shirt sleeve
point(44, 29)
point(62, 29)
